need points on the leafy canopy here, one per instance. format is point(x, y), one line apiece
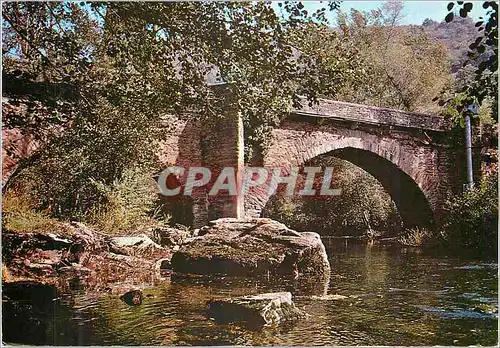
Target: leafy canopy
point(113, 70)
point(405, 67)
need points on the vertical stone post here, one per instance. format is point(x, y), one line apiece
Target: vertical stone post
point(222, 147)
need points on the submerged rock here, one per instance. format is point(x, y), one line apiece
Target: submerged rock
point(132, 297)
point(329, 297)
point(252, 247)
point(257, 310)
point(163, 264)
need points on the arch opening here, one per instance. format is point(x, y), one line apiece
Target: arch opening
point(389, 182)
point(411, 202)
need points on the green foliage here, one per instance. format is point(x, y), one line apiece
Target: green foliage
point(96, 148)
point(483, 54)
point(128, 63)
point(51, 44)
point(363, 206)
point(18, 214)
point(456, 36)
point(415, 237)
point(53, 41)
point(127, 204)
point(472, 218)
point(485, 112)
point(405, 67)
point(454, 110)
point(290, 211)
point(173, 49)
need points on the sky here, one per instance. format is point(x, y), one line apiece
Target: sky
point(415, 10)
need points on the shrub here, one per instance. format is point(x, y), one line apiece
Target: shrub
point(290, 211)
point(415, 237)
point(124, 206)
point(99, 168)
point(472, 218)
point(363, 208)
point(129, 203)
point(18, 214)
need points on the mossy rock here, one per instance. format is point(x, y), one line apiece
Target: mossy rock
point(252, 247)
point(257, 310)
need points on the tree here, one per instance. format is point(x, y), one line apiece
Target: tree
point(405, 67)
point(48, 49)
point(363, 204)
point(129, 63)
point(263, 58)
point(472, 219)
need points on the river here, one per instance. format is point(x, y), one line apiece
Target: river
point(390, 296)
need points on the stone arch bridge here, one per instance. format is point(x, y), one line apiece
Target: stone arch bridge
point(409, 153)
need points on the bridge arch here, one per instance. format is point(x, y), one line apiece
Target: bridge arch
point(400, 167)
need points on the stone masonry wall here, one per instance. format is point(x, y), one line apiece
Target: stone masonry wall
point(222, 147)
point(417, 144)
point(373, 115)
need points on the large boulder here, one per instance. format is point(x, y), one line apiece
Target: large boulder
point(257, 310)
point(252, 247)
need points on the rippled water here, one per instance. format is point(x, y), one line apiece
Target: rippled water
point(394, 296)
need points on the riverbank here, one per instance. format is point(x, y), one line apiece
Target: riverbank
point(76, 256)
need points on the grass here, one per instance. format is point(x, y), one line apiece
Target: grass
point(130, 205)
point(415, 237)
point(19, 215)
point(115, 217)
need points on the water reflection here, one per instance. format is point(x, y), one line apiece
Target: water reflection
point(393, 296)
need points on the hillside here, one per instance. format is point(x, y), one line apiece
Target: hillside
point(456, 35)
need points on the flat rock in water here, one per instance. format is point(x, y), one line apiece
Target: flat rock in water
point(252, 247)
point(256, 310)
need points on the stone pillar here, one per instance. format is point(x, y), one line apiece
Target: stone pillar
point(222, 147)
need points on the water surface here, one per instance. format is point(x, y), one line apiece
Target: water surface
point(394, 296)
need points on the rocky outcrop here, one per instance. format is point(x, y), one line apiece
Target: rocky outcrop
point(38, 255)
point(170, 237)
point(140, 245)
point(256, 310)
point(252, 247)
point(76, 255)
